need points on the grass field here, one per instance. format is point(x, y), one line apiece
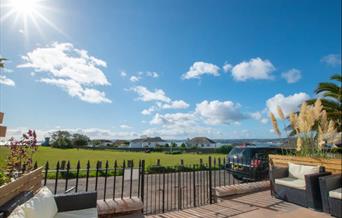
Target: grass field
point(54, 154)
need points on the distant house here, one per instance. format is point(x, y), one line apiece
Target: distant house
point(120, 142)
point(201, 142)
point(147, 142)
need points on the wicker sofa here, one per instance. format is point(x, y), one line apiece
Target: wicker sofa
point(331, 188)
point(297, 184)
point(46, 205)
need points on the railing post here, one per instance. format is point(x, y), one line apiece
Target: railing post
point(194, 184)
point(87, 176)
point(210, 182)
point(67, 176)
point(105, 182)
point(142, 179)
point(56, 179)
point(46, 172)
point(77, 174)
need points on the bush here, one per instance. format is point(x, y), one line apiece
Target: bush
point(224, 149)
point(173, 152)
point(3, 178)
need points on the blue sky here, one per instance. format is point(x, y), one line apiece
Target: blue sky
point(176, 69)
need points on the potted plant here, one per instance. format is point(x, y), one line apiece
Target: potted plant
point(311, 132)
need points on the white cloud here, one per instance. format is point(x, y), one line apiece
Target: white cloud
point(123, 74)
point(255, 68)
point(149, 110)
point(227, 67)
point(292, 76)
point(288, 104)
point(147, 95)
point(6, 81)
point(260, 116)
point(200, 68)
point(93, 133)
point(219, 112)
point(178, 104)
point(134, 78)
point(71, 69)
point(74, 89)
point(175, 118)
point(332, 59)
point(152, 74)
point(125, 126)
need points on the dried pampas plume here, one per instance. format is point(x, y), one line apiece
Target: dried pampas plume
point(275, 124)
point(280, 113)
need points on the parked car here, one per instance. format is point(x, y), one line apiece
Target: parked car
point(250, 162)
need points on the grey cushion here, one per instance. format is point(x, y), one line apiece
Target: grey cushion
point(291, 182)
point(336, 193)
point(85, 213)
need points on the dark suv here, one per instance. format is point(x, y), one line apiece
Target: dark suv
point(250, 162)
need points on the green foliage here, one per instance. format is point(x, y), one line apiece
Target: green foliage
point(20, 158)
point(174, 152)
point(332, 99)
point(174, 145)
point(3, 178)
point(61, 139)
point(79, 140)
point(183, 145)
point(224, 149)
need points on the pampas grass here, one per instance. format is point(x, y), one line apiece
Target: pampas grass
point(312, 127)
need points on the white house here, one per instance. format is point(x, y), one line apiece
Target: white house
point(147, 142)
point(201, 142)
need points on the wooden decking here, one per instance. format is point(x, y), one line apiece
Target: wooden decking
point(255, 205)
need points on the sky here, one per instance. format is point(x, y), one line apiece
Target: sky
point(175, 69)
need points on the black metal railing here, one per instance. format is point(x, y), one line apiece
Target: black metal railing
point(110, 181)
point(161, 188)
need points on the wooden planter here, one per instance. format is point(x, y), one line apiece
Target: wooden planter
point(27, 182)
point(331, 165)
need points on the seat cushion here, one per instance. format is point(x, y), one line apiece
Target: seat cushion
point(299, 171)
point(86, 213)
point(18, 212)
point(291, 182)
point(337, 193)
point(42, 205)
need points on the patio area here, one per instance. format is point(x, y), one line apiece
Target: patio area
point(255, 205)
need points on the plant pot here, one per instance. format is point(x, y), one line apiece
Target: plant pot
point(332, 165)
point(27, 182)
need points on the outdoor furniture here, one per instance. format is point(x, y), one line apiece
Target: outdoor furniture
point(298, 184)
point(331, 193)
point(45, 204)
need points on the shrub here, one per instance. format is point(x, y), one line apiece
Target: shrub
point(173, 152)
point(3, 178)
point(224, 149)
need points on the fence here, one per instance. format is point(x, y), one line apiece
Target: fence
point(161, 188)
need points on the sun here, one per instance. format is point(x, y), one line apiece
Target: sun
point(24, 7)
point(27, 13)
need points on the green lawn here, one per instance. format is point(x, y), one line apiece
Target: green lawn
point(54, 154)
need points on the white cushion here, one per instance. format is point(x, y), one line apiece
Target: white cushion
point(291, 182)
point(86, 213)
point(18, 212)
point(298, 171)
point(337, 193)
point(42, 205)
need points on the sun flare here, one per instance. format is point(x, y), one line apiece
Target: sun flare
point(24, 7)
point(26, 13)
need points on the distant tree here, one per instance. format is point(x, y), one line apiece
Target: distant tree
point(331, 97)
point(2, 62)
point(61, 139)
point(183, 145)
point(79, 140)
point(167, 145)
point(173, 145)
